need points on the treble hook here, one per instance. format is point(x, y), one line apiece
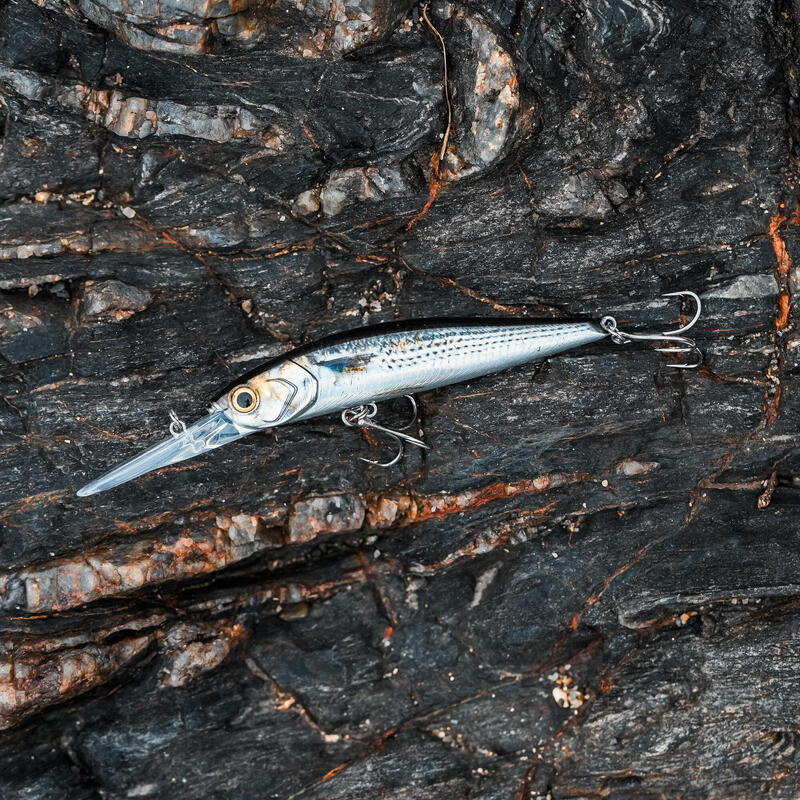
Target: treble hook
point(687, 345)
point(364, 416)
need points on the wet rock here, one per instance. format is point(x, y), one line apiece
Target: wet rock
point(12, 321)
point(577, 196)
point(485, 93)
point(343, 26)
point(67, 583)
point(321, 515)
point(114, 299)
point(139, 117)
point(192, 649)
point(619, 31)
point(30, 680)
point(347, 186)
point(190, 28)
point(178, 28)
point(215, 542)
point(573, 591)
point(29, 281)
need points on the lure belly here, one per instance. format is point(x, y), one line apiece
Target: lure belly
point(350, 372)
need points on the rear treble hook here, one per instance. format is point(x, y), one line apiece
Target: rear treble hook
point(680, 344)
point(364, 416)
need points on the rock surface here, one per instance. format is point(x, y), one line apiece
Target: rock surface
point(588, 587)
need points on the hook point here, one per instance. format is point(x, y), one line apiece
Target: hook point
point(364, 416)
point(683, 343)
point(698, 310)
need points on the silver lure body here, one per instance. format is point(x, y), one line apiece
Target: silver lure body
point(351, 370)
point(382, 362)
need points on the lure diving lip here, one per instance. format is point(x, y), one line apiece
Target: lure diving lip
point(351, 372)
point(208, 433)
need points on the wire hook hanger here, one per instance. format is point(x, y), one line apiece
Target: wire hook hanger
point(677, 342)
point(364, 416)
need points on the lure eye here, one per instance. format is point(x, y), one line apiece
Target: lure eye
point(244, 399)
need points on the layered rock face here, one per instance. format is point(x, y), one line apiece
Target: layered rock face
point(587, 587)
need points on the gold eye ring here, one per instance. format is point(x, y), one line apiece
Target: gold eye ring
point(244, 399)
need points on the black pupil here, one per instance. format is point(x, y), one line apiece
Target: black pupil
point(245, 399)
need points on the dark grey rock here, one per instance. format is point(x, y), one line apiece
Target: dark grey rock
point(114, 298)
point(587, 587)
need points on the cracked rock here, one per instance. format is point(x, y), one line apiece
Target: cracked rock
point(30, 680)
point(586, 587)
point(191, 650)
point(321, 515)
point(345, 25)
point(347, 186)
point(139, 117)
point(114, 299)
point(485, 94)
point(191, 26)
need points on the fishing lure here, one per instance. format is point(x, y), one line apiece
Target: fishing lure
point(351, 372)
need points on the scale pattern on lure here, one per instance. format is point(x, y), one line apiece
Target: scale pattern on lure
point(350, 372)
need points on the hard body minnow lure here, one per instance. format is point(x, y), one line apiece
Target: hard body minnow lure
point(350, 372)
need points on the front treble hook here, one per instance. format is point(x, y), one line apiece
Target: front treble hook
point(678, 343)
point(364, 416)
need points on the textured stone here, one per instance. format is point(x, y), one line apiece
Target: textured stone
point(358, 184)
point(486, 94)
point(586, 587)
point(114, 298)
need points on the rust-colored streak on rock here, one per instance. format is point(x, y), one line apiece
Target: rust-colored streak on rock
point(784, 307)
point(778, 245)
point(433, 190)
point(332, 773)
point(497, 536)
point(444, 280)
point(68, 583)
point(33, 501)
point(387, 510)
point(310, 137)
point(212, 541)
point(442, 506)
point(783, 266)
point(773, 403)
point(766, 496)
point(292, 593)
point(594, 598)
point(31, 680)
